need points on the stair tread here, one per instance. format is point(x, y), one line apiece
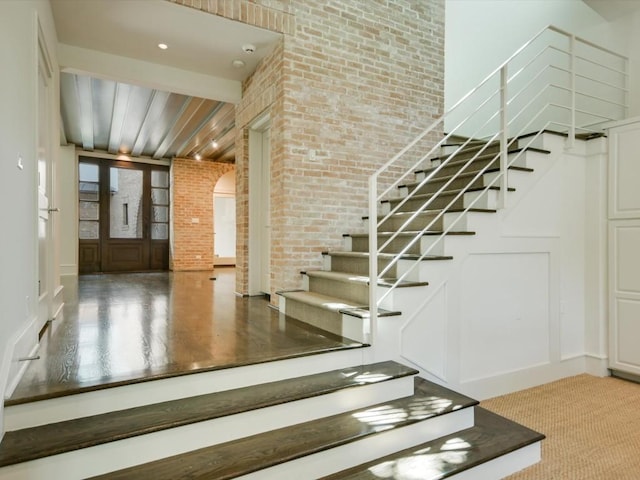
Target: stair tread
point(37, 442)
point(484, 156)
point(250, 454)
point(446, 193)
point(463, 175)
point(364, 279)
point(437, 211)
point(335, 304)
point(411, 233)
point(491, 437)
point(407, 256)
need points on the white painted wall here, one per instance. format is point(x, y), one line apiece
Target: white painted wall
point(18, 275)
point(481, 34)
point(68, 204)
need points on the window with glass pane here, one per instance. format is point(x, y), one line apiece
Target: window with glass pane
point(159, 205)
point(125, 188)
point(89, 201)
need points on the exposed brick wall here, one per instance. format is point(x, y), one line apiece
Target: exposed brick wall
point(193, 183)
point(351, 84)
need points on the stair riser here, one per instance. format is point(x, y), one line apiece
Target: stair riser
point(503, 466)
point(358, 266)
point(372, 447)
point(129, 396)
point(354, 292)
point(515, 159)
point(394, 223)
point(415, 204)
point(474, 166)
point(433, 242)
point(485, 199)
point(459, 183)
point(133, 451)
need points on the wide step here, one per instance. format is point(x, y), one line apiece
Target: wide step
point(491, 437)
point(56, 438)
point(290, 452)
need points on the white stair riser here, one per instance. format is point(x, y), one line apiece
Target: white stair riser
point(503, 466)
point(356, 292)
point(120, 398)
point(372, 447)
point(146, 448)
point(516, 159)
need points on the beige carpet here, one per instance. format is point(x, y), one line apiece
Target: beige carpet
point(592, 426)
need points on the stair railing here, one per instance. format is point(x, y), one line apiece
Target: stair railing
point(561, 82)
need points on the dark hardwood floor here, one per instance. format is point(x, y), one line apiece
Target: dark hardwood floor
point(126, 328)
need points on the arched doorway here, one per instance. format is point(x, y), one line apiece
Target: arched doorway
point(224, 220)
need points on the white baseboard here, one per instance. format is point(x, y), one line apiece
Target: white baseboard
point(597, 365)
point(23, 344)
point(68, 269)
point(526, 378)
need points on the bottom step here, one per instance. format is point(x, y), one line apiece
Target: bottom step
point(319, 447)
point(493, 448)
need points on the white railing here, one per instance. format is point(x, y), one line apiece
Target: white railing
point(556, 81)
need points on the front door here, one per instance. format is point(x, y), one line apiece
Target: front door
point(124, 216)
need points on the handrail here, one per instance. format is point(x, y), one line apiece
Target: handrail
point(517, 114)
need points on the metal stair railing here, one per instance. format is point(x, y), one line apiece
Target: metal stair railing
point(561, 82)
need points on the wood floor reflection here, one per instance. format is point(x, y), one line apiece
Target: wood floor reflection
point(124, 328)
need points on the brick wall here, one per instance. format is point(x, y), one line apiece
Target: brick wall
point(193, 183)
point(349, 86)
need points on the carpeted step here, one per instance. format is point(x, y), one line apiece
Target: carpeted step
point(57, 438)
point(349, 286)
point(462, 181)
point(322, 446)
point(333, 314)
point(451, 199)
point(478, 447)
point(435, 219)
point(359, 242)
point(358, 262)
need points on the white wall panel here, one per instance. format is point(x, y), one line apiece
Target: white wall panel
point(624, 172)
point(424, 336)
point(504, 303)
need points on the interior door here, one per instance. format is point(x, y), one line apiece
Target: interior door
point(124, 216)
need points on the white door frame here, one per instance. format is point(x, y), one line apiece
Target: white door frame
point(259, 241)
point(44, 273)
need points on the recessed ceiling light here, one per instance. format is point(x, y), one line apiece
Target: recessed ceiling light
point(163, 46)
point(214, 144)
point(237, 63)
point(198, 156)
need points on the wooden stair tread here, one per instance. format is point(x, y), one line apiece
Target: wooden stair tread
point(346, 277)
point(457, 176)
point(250, 454)
point(411, 233)
point(491, 437)
point(334, 304)
point(445, 193)
point(484, 156)
point(407, 256)
point(37, 442)
point(436, 212)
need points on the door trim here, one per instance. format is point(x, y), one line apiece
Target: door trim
point(257, 194)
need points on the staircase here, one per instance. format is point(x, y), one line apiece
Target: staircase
point(338, 423)
point(336, 298)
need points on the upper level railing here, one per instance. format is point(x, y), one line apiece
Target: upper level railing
point(556, 81)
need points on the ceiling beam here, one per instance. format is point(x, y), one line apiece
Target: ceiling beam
point(85, 100)
point(189, 109)
point(118, 117)
point(155, 106)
